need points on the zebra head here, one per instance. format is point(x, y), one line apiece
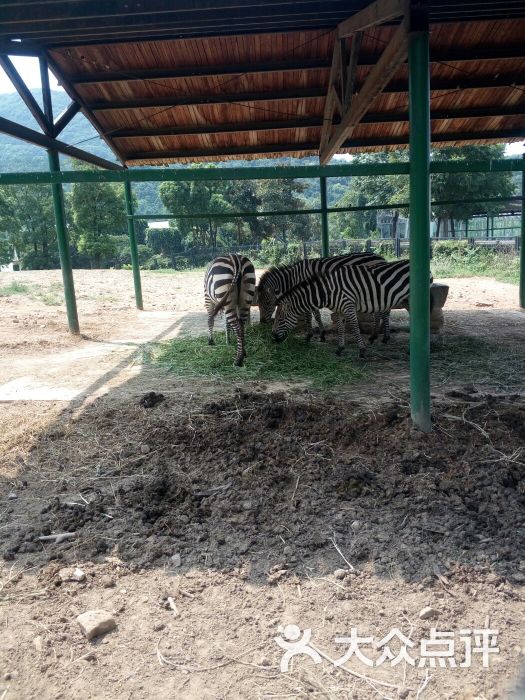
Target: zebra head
point(285, 320)
point(266, 299)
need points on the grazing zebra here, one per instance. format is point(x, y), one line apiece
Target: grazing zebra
point(229, 285)
point(278, 280)
point(346, 290)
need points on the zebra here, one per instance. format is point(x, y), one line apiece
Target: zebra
point(375, 288)
point(229, 285)
point(277, 280)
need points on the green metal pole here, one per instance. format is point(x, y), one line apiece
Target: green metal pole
point(522, 241)
point(419, 96)
point(133, 245)
point(325, 236)
point(63, 245)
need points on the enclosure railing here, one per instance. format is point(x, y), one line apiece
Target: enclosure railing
point(419, 170)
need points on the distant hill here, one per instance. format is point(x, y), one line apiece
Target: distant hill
point(17, 156)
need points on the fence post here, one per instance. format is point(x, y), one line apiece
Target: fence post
point(133, 245)
point(419, 115)
point(325, 235)
point(63, 245)
point(398, 247)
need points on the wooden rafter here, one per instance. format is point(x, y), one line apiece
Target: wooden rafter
point(395, 53)
point(352, 70)
point(330, 103)
point(376, 13)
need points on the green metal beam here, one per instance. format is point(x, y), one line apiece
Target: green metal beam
point(325, 234)
point(522, 241)
point(63, 246)
point(133, 245)
point(254, 173)
point(419, 109)
point(329, 210)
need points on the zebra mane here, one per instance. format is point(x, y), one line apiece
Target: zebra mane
point(301, 285)
point(274, 269)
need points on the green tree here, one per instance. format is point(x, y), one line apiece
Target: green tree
point(99, 214)
point(27, 220)
point(283, 194)
point(458, 186)
point(198, 197)
point(371, 190)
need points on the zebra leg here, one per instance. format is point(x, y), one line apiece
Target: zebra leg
point(340, 325)
point(209, 310)
point(386, 326)
point(351, 315)
point(239, 333)
point(377, 325)
point(244, 320)
point(317, 316)
point(308, 326)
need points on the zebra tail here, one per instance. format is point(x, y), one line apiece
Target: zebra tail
point(225, 298)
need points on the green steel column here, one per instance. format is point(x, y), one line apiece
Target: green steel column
point(325, 239)
point(419, 95)
point(133, 245)
point(63, 245)
point(522, 241)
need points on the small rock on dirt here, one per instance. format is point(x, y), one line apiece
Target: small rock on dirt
point(428, 613)
point(518, 577)
point(144, 449)
point(93, 623)
point(38, 644)
point(158, 626)
point(12, 496)
point(70, 574)
point(176, 559)
point(107, 582)
point(151, 399)
point(340, 574)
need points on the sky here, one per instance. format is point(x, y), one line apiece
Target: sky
point(30, 72)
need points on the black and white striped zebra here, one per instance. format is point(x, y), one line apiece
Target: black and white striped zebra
point(229, 286)
point(347, 289)
point(278, 280)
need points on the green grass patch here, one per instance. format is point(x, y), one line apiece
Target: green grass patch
point(292, 360)
point(470, 359)
point(503, 267)
point(15, 287)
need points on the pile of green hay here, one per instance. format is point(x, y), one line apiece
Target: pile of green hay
point(295, 359)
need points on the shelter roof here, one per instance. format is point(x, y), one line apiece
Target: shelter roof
point(167, 81)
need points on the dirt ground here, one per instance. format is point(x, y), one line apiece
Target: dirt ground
point(213, 522)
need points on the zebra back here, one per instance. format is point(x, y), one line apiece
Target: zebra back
point(226, 274)
point(370, 288)
point(278, 280)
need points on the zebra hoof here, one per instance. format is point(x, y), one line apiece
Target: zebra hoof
point(372, 339)
point(386, 339)
point(362, 354)
point(238, 362)
point(322, 338)
point(339, 352)
point(211, 341)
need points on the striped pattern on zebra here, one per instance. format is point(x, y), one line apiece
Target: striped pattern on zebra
point(278, 280)
point(229, 286)
point(375, 288)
